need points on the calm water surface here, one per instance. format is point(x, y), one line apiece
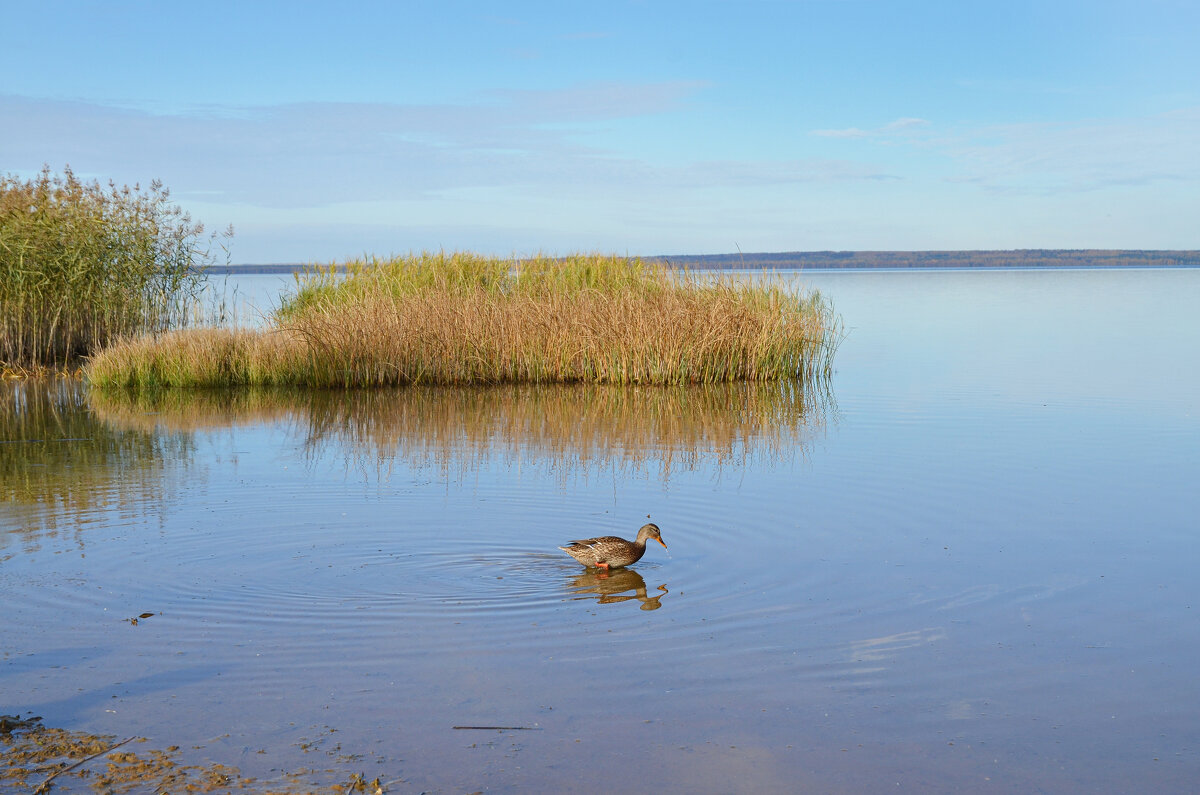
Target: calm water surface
point(967, 564)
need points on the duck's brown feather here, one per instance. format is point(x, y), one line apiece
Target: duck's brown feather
point(612, 550)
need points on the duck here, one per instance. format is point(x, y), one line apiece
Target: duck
point(608, 552)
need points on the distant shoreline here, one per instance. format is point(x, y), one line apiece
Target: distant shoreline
point(875, 260)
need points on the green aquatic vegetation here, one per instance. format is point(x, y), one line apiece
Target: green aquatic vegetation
point(467, 319)
point(83, 264)
point(36, 758)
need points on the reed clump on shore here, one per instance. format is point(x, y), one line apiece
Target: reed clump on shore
point(83, 264)
point(463, 318)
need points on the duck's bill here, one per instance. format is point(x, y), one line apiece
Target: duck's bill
point(664, 543)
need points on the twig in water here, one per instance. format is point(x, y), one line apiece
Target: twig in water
point(44, 787)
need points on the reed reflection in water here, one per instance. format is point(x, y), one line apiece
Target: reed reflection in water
point(62, 468)
point(568, 430)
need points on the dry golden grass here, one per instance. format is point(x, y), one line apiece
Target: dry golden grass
point(202, 357)
point(462, 319)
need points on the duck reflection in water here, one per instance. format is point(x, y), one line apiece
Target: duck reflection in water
point(612, 586)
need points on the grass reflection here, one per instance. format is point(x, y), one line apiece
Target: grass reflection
point(569, 430)
point(61, 467)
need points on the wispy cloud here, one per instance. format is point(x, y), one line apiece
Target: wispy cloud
point(906, 123)
point(891, 128)
point(317, 154)
point(589, 103)
point(1044, 158)
point(1065, 157)
point(775, 172)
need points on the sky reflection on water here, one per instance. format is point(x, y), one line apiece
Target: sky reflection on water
point(970, 567)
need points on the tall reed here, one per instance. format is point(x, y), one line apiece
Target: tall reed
point(82, 264)
point(463, 318)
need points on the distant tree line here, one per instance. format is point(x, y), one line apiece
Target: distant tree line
point(1019, 258)
point(277, 267)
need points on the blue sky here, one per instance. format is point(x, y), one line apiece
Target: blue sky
point(326, 131)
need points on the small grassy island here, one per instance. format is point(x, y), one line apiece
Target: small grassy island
point(462, 318)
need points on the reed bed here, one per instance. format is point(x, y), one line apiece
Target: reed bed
point(82, 265)
point(467, 319)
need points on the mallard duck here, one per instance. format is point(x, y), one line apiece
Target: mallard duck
point(610, 551)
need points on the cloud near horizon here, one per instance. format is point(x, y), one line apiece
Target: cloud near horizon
point(323, 153)
point(1048, 158)
point(1052, 158)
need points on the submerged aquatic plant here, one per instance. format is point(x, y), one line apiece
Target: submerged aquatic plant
point(35, 758)
point(463, 318)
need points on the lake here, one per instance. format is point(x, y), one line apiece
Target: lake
point(966, 563)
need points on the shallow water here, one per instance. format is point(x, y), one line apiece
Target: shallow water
point(967, 563)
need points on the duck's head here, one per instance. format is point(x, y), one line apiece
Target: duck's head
point(650, 531)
